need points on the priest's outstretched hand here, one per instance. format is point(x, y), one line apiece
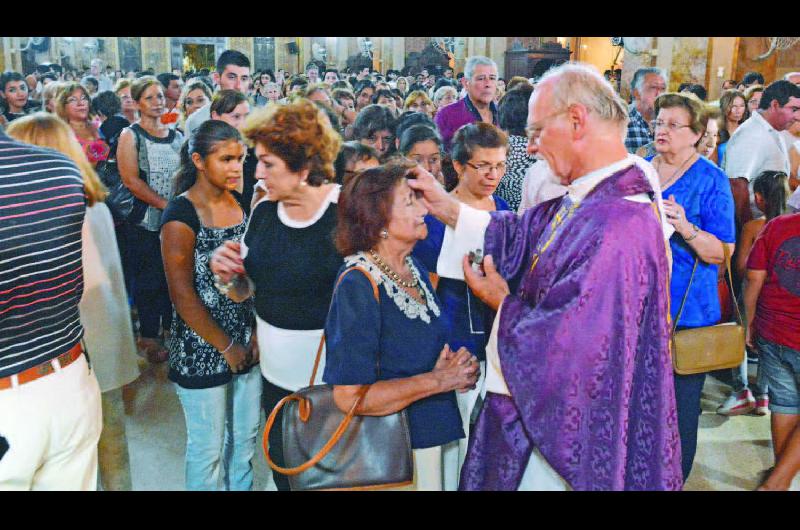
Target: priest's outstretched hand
point(490, 287)
point(435, 198)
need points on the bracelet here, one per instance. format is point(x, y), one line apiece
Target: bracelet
point(223, 287)
point(694, 234)
point(223, 352)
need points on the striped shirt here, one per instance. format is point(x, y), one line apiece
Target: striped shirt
point(42, 206)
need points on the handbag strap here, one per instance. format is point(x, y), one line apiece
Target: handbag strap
point(727, 253)
point(304, 405)
point(375, 294)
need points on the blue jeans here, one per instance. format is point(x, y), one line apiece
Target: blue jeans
point(222, 424)
point(688, 389)
point(781, 368)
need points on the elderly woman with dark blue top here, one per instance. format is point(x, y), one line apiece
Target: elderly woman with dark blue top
point(399, 343)
point(699, 205)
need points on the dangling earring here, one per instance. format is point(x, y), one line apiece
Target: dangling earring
point(384, 234)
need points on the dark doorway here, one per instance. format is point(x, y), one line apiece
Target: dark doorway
point(198, 56)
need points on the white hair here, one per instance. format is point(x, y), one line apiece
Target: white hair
point(641, 73)
point(441, 91)
point(580, 83)
point(475, 60)
point(790, 74)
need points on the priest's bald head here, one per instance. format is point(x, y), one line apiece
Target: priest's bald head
point(576, 121)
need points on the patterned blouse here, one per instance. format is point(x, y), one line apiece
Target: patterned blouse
point(517, 163)
point(193, 362)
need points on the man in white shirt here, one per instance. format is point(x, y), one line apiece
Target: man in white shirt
point(757, 145)
point(540, 185)
point(103, 81)
point(232, 73)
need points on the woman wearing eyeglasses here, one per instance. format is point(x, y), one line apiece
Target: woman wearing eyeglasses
point(698, 203)
point(479, 157)
point(73, 105)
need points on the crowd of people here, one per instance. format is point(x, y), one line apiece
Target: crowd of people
point(535, 245)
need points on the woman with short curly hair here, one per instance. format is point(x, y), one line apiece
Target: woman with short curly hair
point(287, 259)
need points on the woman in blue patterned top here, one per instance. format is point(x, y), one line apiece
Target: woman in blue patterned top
point(398, 344)
point(479, 153)
point(699, 205)
point(211, 357)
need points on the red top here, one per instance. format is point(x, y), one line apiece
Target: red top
point(777, 251)
point(96, 150)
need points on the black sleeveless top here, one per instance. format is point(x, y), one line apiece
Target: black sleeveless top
point(294, 269)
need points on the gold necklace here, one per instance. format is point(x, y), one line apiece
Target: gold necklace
point(382, 265)
point(669, 182)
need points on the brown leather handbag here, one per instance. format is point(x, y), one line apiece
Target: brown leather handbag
point(698, 350)
point(325, 449)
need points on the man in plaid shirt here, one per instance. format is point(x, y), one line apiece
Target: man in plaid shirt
point(646, 86)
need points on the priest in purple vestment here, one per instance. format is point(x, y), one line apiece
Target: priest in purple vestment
point(579, 385)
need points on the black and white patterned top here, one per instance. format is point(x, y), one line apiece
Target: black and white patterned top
point(163, 159)
point(517, 163)
point(193, 362)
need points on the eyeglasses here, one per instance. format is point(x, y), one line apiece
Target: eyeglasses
point(670, 126)
point(486, 169)
point(73, 99)
point(535, 129)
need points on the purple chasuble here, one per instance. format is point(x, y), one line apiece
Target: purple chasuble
point(584, 349)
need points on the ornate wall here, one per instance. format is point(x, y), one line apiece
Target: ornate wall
point(689, 61)
point(632, 63)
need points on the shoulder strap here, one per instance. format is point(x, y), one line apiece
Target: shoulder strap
point(727, 253)
point(141, 151)
point(685, 296)
point(375, 293)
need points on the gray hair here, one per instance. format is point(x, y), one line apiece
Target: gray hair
point(638, 77)
point(441, 91)
point(790, 74)
point(580, 83)
point(475, 60)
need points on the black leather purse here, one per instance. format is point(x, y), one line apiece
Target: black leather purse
point(325, 449)
point(123, 204)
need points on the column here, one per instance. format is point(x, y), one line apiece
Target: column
point(497, 48)
point(5, 53)
point(398, 53)
point(342, 52)
point(305, 53)
point(719, 62)
point(664, 58)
